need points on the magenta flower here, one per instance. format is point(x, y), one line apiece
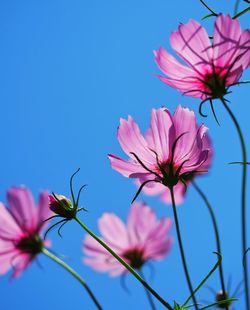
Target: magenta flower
point(144, 238)
point(174, 150)
point(211, 66)
point(20, 229)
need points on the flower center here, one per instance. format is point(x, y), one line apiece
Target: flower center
point(31, 244)
point(170, 177)
point(135, 258)
point(171, 173)
point(215, 84)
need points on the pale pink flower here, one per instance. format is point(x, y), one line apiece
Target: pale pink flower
point(20, 229)
point(212, 66)
point(173, 151)
point(143, 239)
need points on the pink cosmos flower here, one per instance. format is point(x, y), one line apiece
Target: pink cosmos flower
point(211, 66)
point(173, 151)
point(144, 238)
point(20, 229)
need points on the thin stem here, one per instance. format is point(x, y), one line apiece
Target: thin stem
point(236, 7)
point(209, 9)
point(243, 198)
point(242, 12)
point(149, 296)
point(216, 232)
point(127, 266)
point(73, 273)
point(182, 250)
point(221, 302)
point(204, 280)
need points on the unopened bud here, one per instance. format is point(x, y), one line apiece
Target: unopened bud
point(62, 206)
point(223, 299)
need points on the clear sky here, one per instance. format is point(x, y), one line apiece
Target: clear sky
point(69, 71)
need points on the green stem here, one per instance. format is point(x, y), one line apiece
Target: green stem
point(127, 266)
point(243, 198)
point(149, 296)
point(204, 280)
point(182, 250)
point(216, 232)
point(209, 9)
point(241, 12)
point(73, 273)
point(218, 303)
point(236, 7)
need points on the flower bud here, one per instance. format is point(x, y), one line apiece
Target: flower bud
point(220, 297)
point(62, 206)
point(176, 306)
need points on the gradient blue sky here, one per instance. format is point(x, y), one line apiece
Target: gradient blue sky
point(69, 71)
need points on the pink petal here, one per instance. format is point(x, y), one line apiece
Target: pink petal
point(234, 75)
point(185, 124)
point(207, 144)
point(189, 88)
point(119, 270)
point(199, 152)
point(44, 211)
point(161, 124)
point(161, 229)
point(131, 140)
point(111, 266)
point(158, 250)
point(141, 220)
point(113, 230)
point(152, 188)
point(244, 55)
point(195, 164)
point(184, 78)
point(147, 232)
point(127, 168)
point(99, 258)
point(230, 43)
point(21, 262)
point(7, 253)
point(22, 207)
point(191, 42)
point(9, 228)
point(92, 248)
point(171, 67)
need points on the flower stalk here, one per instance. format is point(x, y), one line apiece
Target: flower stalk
point(243, 197)
point(241, 12)
point(149, 296)
point(182, 250)
point(236, 7)
point(204, 280)
point(74, 274)
point(216, 232)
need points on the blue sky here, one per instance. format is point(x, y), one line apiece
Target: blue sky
point(69, 71)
